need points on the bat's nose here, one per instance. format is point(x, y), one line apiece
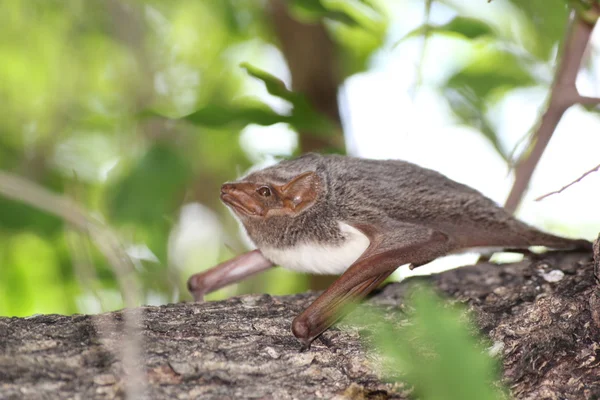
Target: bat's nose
point(227, 188)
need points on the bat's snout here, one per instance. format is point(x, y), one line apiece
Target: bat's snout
point(228, 191)
point(239, 196)
point(227, 188)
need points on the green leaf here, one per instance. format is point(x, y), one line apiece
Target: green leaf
point(275, 86)
point(464, 27)
point(358, 27)
point(236, 115)
point(470, 28)
point(351, 13)
point(303, 117)
point(548, 19)
point(471, 111)
point(153, 189)
point(315, 9)
point(489, 73)
point(492, 69)
point(436, 351)
point(15, 215)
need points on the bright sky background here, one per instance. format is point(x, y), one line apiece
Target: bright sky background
point(383, 118)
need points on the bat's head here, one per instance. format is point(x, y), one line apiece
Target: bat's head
point(286, 203)
point(272, 192)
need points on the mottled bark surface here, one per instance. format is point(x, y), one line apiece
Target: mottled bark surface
point(544, 314)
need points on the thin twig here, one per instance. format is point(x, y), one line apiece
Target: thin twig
point(589, 101)
point(563, 95)
point(426, 34)
point(596, 168)
point(20, 189)
point(79, 247)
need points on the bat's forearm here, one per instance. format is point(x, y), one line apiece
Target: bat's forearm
point(227, 273)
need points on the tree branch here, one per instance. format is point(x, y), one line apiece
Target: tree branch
point(311, 57)
point(426, 35)
point(563, 95)
point(242, 347)
point(596, 168)
point(589, 101)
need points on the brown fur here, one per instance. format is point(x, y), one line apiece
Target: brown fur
point(387, 194)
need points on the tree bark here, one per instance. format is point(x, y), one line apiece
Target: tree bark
point(547, 323)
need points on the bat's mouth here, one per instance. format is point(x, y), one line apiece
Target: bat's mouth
point(237, 205)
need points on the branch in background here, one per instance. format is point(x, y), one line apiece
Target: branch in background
point(80, 250)
point(30, 193)
point(563, 95)
point(129, 27)
point(589, 101)
point(596, 168)
point(311, 57)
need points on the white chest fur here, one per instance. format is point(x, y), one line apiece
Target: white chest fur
point(321, 259)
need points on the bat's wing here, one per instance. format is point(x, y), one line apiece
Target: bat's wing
point(391, 246)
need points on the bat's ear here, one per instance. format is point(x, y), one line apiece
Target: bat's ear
point(301, 191)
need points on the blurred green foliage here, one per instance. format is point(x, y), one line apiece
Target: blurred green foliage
point(436, 350)
point(135, 109)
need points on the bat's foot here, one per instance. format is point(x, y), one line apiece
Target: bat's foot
point(195, 289)
point(304, 346)
point(301, 330)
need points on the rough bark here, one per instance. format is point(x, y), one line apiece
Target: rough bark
point(548, 324)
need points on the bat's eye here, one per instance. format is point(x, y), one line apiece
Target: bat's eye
point(264, 191)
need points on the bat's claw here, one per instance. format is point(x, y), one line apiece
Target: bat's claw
point(301, 330)
point(412, 266)
point(198, 297)
point(305, 346)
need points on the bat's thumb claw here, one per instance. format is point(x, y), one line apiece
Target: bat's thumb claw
point(195, 289)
